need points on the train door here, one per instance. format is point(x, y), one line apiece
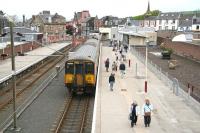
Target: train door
point(79, 75)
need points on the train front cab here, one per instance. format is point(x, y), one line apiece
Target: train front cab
point(80, 76)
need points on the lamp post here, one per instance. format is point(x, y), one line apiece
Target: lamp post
point(13, 73)
point(146, 62)
point(13, 77)
point(46, 38)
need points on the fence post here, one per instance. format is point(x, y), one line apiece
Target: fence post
point(189, 91)
point(57, 71)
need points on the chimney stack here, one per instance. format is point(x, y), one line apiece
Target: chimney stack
point(23, 20)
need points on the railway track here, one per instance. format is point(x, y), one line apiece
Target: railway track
point(27, 81)
point(77, 115)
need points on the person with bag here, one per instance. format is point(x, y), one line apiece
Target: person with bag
point(134, 112)
point(146, 111)
point(111, 81)
point(114, 66)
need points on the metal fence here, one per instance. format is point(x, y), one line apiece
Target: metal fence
point(173, 83)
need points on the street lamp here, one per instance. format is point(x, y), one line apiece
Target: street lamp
point(145, 84)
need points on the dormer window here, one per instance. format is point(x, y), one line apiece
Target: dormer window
point(162, 14)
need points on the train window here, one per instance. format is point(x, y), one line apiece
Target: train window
point(89, 68)
point(79, 68)
point(70, 68)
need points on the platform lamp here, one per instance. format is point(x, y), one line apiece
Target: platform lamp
point(13, 72)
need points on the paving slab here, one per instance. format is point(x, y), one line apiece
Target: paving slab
point(171, 113)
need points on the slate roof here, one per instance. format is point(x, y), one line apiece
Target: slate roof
point(185, 20)
point(169, 15)
point(185, 23)
point(45, 17)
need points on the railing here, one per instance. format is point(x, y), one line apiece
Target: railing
point(174, 85)
point(37, 91)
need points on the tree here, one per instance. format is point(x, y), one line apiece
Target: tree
point(69, 29)
point(151, 13)
point(14, 18)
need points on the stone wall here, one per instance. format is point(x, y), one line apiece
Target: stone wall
point(18, 49)
point(188, 50)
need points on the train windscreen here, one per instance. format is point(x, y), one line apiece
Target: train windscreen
point(89, 68)
point(70, 68)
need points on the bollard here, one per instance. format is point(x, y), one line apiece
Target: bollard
point(129, 62)
point(145, 87)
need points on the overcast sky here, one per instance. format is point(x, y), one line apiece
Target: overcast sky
point(120, 8)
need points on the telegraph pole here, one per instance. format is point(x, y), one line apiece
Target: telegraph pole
point(13, 75)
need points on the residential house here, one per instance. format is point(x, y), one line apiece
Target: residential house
point(52, 26)
point(79, 17)
point(97, 24)
point(3, 21)
point(167, 21)
point(150, 21)
point(87, 26)
point(196, 23)
point(185, 22)
point(110, 21)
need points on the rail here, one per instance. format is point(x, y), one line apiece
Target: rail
point(27, 102)
point(78, 107)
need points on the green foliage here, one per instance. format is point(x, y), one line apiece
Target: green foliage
point(69, 30)
point(139, 17)
point(168, 50)
point(154, 12)
point(151, 13)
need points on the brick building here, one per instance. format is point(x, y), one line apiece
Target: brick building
point(52, 26)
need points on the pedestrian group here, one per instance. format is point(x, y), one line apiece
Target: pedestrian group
point(147, 108)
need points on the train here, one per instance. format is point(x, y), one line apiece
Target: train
point(81, 68)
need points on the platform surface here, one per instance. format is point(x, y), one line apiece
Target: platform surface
point(171, 113)
point(32, 57)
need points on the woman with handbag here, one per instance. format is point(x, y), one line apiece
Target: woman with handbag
point(146, 111)
point(134, 112)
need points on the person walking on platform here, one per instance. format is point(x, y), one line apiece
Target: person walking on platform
point(122, 69)
point(126, 48)
point(107, 64)
point(146, 111)
point(114, 66)
point(111, 81)
point(135, 111)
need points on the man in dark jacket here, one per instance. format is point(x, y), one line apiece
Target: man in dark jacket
point(111, 81)
point(122, 69)
point(107, 63)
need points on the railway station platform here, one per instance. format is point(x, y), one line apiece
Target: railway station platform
point(171, 113)
point(31, 58)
